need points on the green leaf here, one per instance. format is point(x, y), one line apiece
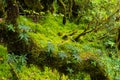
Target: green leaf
point(62, 55)
point(50, 47)
point(24, 27)
point(111, 43)
point(11, 28)
point(70, 70)
point(24, 36)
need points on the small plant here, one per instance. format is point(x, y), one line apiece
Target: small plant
point(17, 61)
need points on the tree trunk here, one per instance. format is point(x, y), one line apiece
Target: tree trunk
point(118, 39)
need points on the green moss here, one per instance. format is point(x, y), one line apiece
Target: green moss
point(47, 48)
point(3, 52)
point(4, 67)
point(34, 73)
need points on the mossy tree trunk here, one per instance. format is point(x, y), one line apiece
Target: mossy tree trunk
point(38, 56)
point(1, 9)
point(12, 38)
point(14, 44)
point(118, 39)
point(70, 4)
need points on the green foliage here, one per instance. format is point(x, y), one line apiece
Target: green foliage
point(24, 72)
point(80, 76)
point(46, 35)
point(34, 73)
point(95, 47)
point(11, 28)
point(17, 61)
point(24, 36)
point(4, 67)
point(111, 67)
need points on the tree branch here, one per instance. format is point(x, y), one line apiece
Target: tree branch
point(97, 26)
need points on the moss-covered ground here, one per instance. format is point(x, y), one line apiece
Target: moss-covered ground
point(51, 35)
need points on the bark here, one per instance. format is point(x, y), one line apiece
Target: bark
point(12, 12)
point(1, 9)
point(70, 3)
point(62, 9)
point(118, 39)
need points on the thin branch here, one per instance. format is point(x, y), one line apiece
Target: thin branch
point(96, 28)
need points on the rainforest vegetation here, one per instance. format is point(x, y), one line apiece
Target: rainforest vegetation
point(59, 39)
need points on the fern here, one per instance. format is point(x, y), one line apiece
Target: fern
point(24, 36)
point(11, 28)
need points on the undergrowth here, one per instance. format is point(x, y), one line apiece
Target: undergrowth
point(50, 34)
